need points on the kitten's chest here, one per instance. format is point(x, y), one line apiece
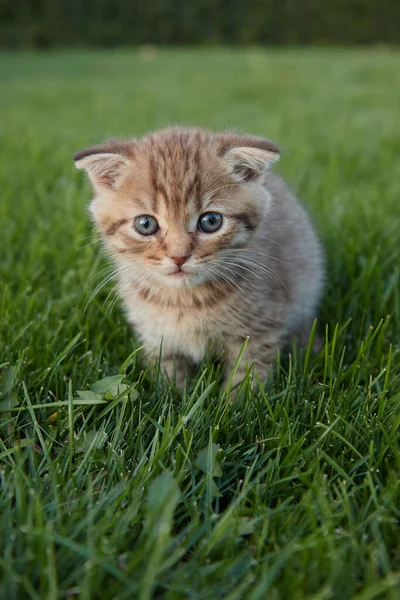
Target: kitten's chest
point(182, 330)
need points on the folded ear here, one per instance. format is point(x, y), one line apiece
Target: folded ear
point(105, 165)
point(248, 157)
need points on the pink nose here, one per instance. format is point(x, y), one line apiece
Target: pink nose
point(179, 260)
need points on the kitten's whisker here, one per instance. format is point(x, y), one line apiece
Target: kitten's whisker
point(217, 273)
point(140, 275)
point(83, 246)
point(113, 301)
point(219, 277)
point(250, 261)
point(218, 281)
point(104, 282)
point(107, 268)
point(270, 274)
point(85, 237)
point(237, 250)
point(255, 270)
point(266, 269)
point(248, 281)
point(113, 293)
point(81, 240)
point(240, 268)
point(233, 280)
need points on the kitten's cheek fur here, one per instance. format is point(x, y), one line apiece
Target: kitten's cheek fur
point(173, 175)
point(100, 213)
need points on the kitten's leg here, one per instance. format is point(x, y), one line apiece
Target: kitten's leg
point(303, 335)
point(176, 368)
point(260, 350)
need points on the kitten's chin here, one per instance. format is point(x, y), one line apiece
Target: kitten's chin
point(183, 280)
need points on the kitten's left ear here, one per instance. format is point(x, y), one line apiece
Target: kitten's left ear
point(249, 157)
point(105, 165)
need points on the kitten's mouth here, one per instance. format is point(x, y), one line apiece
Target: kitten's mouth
point(184, 278)
point(178, 273)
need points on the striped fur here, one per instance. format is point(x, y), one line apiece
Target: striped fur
point(260, 276)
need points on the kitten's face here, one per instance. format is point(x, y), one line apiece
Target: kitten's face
point(174, 207)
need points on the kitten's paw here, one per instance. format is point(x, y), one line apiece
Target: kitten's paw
point(241, 379)
point(302, 338)
point(318, 345)
point(176, 370)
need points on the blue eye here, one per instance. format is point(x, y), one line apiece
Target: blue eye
point(210, 222)
point(146, 225)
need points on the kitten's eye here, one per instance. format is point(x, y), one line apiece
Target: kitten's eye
point(146, 225)
point(210, 222)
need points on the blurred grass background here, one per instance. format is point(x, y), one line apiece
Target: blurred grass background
point(46, 24)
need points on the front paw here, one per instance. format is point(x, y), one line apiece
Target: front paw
point(176, 370)
point(245, 377)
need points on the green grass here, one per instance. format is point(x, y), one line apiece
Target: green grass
point(135, 491)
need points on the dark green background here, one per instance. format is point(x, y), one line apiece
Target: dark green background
point(49, 23)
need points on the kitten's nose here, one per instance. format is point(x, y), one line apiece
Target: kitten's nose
point(179, 260)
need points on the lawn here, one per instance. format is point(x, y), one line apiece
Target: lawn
point(124, 488)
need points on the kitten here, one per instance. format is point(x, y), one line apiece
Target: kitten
point(209, 246)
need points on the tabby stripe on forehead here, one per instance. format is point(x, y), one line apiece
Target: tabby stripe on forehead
point(115, 226)
point(154, 183)
point(197, 178)
point(194, 189)
point(163, 191)
point(163, 162)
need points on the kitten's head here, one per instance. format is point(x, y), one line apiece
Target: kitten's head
point(172, 206)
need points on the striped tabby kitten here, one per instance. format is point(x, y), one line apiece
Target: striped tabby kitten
point(209, 246)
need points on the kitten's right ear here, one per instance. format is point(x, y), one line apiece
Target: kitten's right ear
point(104, 168)
point(247, 156)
